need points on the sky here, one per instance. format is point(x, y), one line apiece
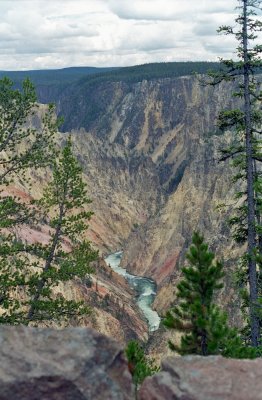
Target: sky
point(40, 34)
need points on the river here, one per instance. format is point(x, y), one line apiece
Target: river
point(144, 287)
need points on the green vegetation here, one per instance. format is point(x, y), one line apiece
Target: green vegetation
point(152, 71)
point(50, 77)
point(21, 145)
point(204, 326)
point(65, 199)
point(139, 364)
point(89, 77)
point(30, 274)
point(245, 151)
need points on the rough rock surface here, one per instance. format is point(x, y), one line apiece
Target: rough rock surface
point(205, 378)
point(68, 364)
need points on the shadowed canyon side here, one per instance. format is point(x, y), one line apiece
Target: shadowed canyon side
point(124, 189)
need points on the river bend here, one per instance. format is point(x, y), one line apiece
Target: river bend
point(144, 287)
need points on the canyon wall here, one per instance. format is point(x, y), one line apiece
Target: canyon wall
point(151, 157)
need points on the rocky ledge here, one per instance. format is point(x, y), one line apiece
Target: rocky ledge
point(205, 378)
point(68, 364)
point(81, 364)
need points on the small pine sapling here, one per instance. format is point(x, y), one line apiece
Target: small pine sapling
point(139, 364)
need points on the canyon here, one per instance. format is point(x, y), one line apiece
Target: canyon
point(151, 160)
point(150, 153)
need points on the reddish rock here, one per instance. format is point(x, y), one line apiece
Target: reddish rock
point(160, 273)
point(68, 364)
point(205, 378)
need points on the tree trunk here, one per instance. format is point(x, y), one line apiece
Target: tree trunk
point(252, 273)
point(49, 260)
point(204, 344)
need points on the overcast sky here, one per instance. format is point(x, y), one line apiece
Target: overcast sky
point(39, 34)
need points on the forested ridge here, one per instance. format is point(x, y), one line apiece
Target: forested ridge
point(91, 75)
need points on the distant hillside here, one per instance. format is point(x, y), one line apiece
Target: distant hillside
point(53, 76)
point(152, 71)
point(87, 100)
point(50, 84)
point(128, 74)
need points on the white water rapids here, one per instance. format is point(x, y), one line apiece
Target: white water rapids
point(144, 287)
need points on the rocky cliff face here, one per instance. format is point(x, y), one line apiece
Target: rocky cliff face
point(155, 148)
point(151, 159)
point(125, 190)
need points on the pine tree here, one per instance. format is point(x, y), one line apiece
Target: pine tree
point(203, 324)
point(245, 149)
point(139, 364)
point(21, 147)
point(30, 274)
point(65, 200)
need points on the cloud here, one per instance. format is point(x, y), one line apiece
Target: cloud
point(37, 34)
point(45, 30)
point(168, 10)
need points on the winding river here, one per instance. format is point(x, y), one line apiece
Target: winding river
point(144, 287)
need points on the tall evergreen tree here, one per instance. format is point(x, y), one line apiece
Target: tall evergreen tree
point(30, 274)
point(203, 324)
point(65, 200)
point(246, 146)
point(21, 147)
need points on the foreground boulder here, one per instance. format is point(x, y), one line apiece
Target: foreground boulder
point(205, 378)
point(68, 364)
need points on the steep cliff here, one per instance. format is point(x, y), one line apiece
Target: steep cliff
point(152, 157)
point(125, 189)
point(155, 147)
point(150, 152)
